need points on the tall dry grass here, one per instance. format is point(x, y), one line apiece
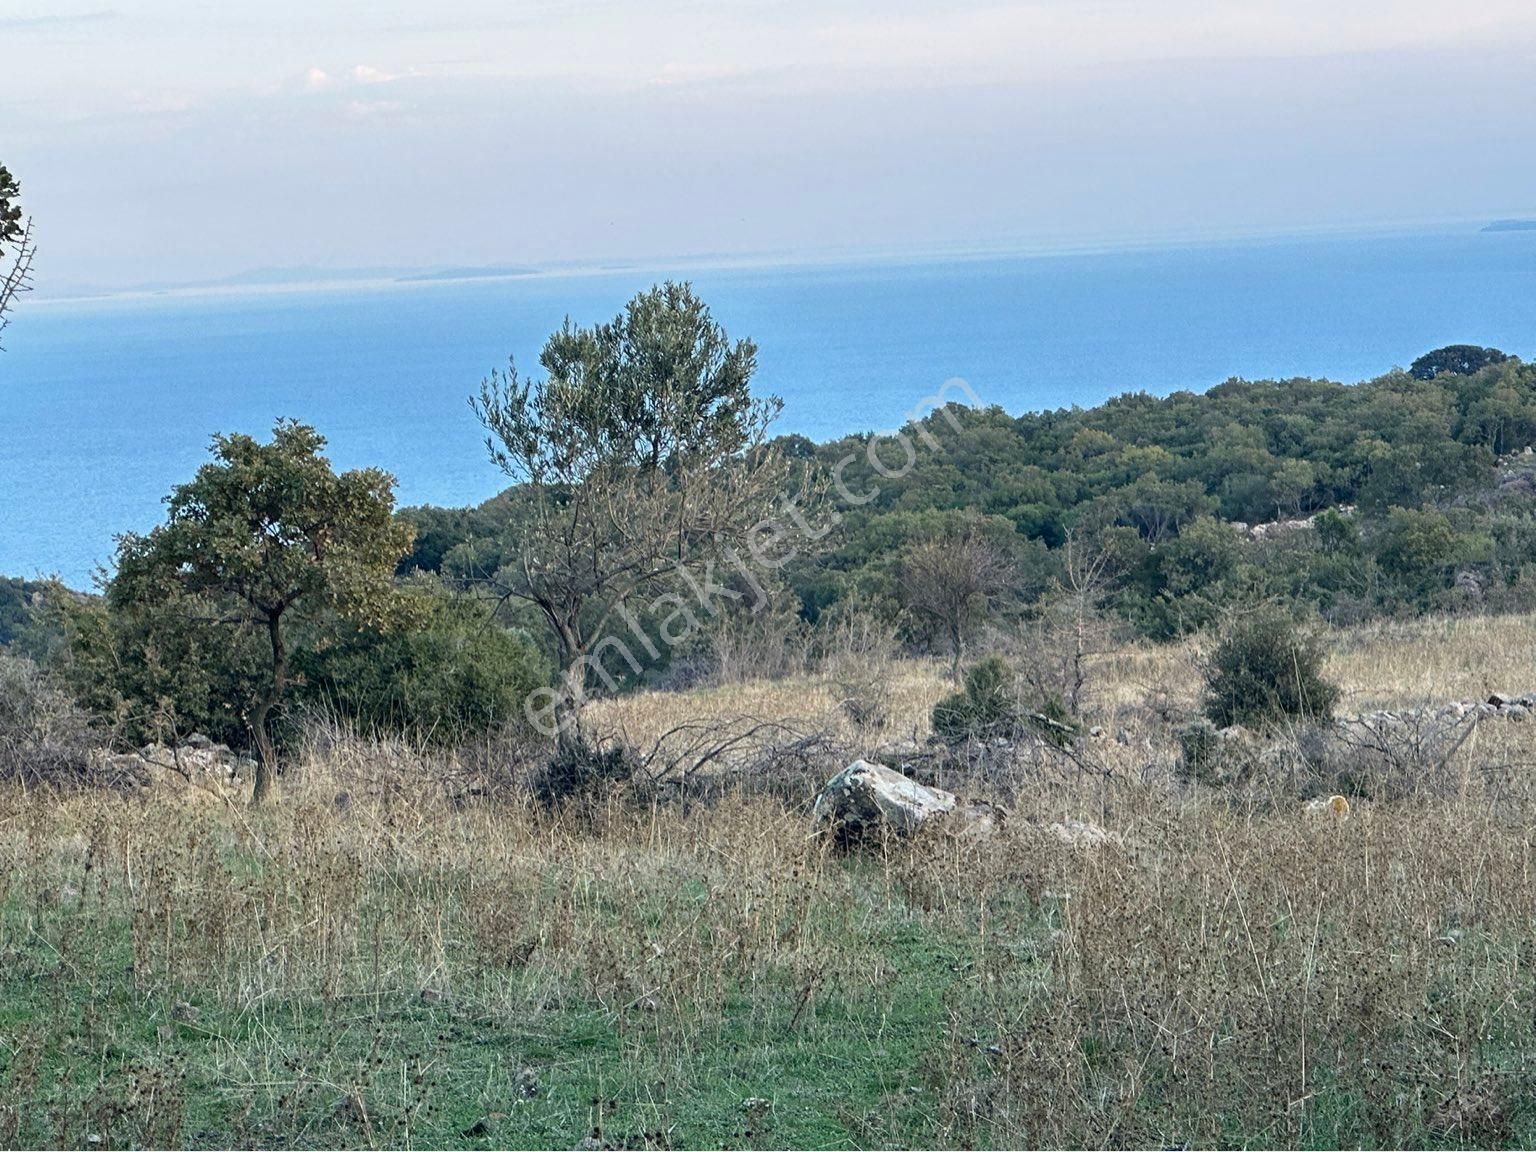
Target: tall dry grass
point(373, 961)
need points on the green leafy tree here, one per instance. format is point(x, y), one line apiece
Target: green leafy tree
point(1455, 359)
point(266, 533)
point(641, 462)
point(1416, 550)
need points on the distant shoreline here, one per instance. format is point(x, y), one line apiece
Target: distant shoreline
point(272, 281)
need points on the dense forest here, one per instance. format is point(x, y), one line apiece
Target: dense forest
point(1404, 493)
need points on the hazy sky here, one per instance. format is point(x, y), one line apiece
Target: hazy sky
point(158, 139)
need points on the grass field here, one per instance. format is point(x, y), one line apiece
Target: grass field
point(399, 970)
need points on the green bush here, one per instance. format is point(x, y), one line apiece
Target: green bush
point(161, 673)
point(990, 707)
point(454, 677)
point(1265, 671)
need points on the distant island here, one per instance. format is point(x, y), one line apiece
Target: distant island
point(487, 272)
point(1511, 226)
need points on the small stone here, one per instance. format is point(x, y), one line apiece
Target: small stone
point(528, 1085)
point(1081, 834)
point(184, 1013)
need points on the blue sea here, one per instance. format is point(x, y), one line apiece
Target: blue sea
point(106, 404)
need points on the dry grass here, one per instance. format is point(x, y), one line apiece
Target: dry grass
point(804, 703)
point(398, 970)
point(1389, 664)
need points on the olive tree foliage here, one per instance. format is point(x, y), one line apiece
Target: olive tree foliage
point(642, 463)
point(16, 247)
point(263, 534)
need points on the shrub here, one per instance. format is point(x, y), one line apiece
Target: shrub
point(160, 673)
point(45, 738)
point(454, 678)
point(990, 707)
point(1265, 671)
point(583, 773)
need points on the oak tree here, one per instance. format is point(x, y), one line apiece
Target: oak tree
point(263, 534)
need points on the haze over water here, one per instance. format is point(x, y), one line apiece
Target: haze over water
point(108, 404)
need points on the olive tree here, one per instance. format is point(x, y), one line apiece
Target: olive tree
point(265, 533)
point(641, 465)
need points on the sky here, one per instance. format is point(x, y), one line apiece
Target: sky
point(165, 140)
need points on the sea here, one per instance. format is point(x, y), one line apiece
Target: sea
point(108, 403)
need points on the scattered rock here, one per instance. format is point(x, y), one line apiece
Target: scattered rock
point(1081, 834)
point(865, 797)
point(1333, 807)
point(976, 820)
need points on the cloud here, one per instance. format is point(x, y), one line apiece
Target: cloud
point(57, 20)
point(361, 109)
point(367, 74)
point(317, 79)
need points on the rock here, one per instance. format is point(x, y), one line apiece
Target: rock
point(976, 820)
point(1081, 834)
point(865, 796)
point(1096, 733)
point(198, 740)
point(1334, 807)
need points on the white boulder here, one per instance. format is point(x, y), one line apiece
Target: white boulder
point(864, 797)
